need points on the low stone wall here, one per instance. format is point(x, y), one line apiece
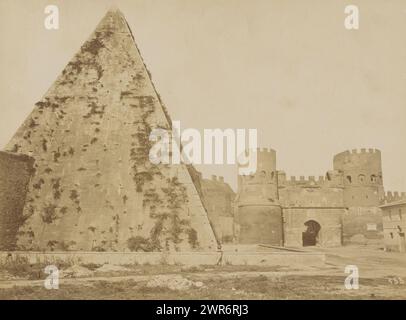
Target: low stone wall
point(274, 258)
point(181, 258)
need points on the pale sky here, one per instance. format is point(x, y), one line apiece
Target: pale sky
point(287, 68)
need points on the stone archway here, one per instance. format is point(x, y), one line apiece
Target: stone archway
point(311, 236)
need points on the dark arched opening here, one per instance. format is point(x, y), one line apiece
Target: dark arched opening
point(311, 236)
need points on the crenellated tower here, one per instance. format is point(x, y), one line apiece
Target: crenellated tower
point(259, 215)
point(262, 184)
point(362, 172)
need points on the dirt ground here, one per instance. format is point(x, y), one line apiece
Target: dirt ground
point(382, 275)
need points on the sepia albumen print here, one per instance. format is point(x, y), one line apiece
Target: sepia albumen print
point(202, 150)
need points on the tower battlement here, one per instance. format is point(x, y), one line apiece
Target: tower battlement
point(394, 196)
point(311, 181)
point(367, 158)
point(359, 161)
point(357, 157)
point(359, 151)
point(266, 159)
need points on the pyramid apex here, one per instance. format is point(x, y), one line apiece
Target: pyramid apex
point(114, 9)
point(113, 20)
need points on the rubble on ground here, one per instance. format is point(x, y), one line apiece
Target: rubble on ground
point(76, 271)
point(111, 268)
point(173, 282)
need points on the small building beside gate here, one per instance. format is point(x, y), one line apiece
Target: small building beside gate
point(394, 225)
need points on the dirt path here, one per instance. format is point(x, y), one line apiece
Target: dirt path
point(197, 276)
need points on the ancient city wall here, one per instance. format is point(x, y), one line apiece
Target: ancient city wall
point(259, 224)
point(15, 173)
point(218, 197)
point(362, 225)
point(331, 179)
point(309, 193)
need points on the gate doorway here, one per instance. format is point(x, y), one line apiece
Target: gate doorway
point(311, 236)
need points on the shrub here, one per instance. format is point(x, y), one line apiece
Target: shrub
point(192, 237)
point(49, 214)
point(139, 243)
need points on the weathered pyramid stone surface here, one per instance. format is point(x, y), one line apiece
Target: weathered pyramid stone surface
point(94, 187)
point(15, 174)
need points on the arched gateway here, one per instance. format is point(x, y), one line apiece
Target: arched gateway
point(311, 236)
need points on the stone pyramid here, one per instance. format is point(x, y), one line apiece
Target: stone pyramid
point(94, 188)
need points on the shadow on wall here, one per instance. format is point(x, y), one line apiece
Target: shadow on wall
point(16, 171)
